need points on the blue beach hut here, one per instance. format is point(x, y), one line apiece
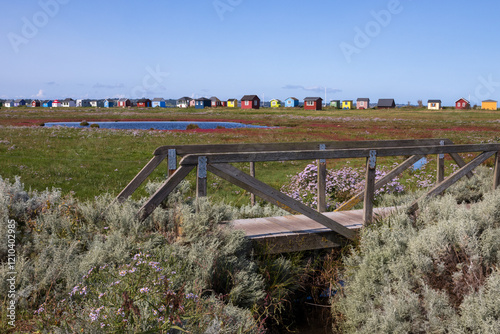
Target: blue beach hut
point(291, 102)
point(109, 103)
point(203, 103)
point(159, 102)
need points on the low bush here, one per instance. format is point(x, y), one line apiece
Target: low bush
point(437, 272)
point(84, 123)
point(192, 126)
point(94, 125)
point(71, 254)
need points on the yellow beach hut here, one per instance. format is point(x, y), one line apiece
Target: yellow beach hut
point(347, 104)
point(489, 105)
point(275, 103)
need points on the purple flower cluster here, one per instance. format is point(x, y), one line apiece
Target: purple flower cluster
point(341, 184)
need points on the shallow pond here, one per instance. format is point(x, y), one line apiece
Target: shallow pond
point(147, 125)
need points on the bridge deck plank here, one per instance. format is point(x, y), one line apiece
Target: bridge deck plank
point(298, 232)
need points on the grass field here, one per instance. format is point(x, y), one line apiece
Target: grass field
point(88, 162)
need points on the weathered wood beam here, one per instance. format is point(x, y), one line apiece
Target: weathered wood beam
point(252, 174)
point(299, 243)
point(453, 178)
point(371, 167)
point(217, 158)
point(268, 193)
point(140, 178)
point(183, 150)
point(167, 187)
point(457, 158)
point(496, 173)
point(172, 161)
point(440, 166)
point(380, 183)
point(321, 182)
point(201, 180)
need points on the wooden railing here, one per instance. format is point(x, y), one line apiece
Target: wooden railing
point(217, 159)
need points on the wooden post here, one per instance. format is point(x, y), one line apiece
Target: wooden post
point(371, 165)
point(440, 166)
point(496, 175)
point(172, 161)
point(322, 181)
point(252, 174)
point(201, 181)
point(348, 205)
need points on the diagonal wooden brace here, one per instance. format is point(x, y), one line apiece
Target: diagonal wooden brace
point(380, 183)
point(166, 188)
point(140, 178)
point(452, 179)
point(268, 193)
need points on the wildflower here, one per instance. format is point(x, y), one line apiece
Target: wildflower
point(40, 310)
point(191, 296)
point(115, 283)
point(75, 290)
point(83, 291)
point(102, 294)
point(144, 290)
point(123, 273)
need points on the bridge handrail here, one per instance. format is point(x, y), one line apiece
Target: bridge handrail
point(217, 158)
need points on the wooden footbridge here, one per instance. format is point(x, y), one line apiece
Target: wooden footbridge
point(306, 228)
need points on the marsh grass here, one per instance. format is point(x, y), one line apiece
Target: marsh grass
point(89, 162)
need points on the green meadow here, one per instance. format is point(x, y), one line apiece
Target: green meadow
point(88, 162)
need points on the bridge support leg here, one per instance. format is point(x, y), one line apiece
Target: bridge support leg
point(496, 180)
point(440, 166)
point(322, 181)
point(371, 167)
point(252, 174)
point(172, 161)
point(201, 181)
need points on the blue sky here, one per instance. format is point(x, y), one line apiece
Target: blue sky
point(406, 49)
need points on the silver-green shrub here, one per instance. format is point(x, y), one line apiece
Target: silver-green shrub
point(436, 273)
point(60, 239)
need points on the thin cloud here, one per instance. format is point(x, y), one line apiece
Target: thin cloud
point(98, 85)
point(316, 89)
point(40, 94)
point(51, 83)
